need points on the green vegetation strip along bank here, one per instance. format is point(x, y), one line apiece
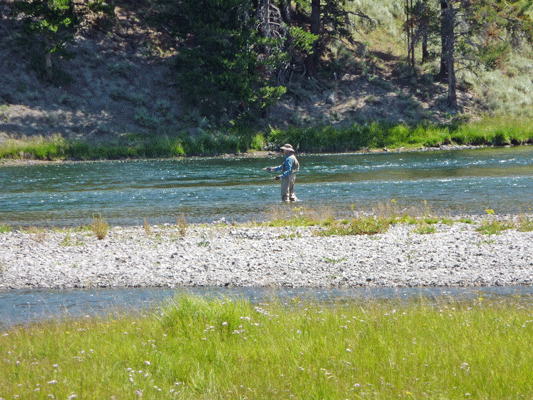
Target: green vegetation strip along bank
point(490, 131)
point(385, 216)
point(198, 348)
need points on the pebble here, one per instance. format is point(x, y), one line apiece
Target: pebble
point(220, 255)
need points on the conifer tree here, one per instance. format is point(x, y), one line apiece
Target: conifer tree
point(55, 22)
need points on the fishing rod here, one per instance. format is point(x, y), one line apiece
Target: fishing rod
point(269, 170)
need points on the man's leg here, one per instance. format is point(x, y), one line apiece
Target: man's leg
point(292, 180)
point(285, 183)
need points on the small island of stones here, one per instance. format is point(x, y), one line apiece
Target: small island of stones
point(262, 256)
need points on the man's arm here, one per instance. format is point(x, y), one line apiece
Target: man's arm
point(289, 161)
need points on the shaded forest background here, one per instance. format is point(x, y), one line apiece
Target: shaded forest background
point(119, 72)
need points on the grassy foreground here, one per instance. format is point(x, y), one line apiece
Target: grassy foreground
point(198, 348)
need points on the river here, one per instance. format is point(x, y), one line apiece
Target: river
point(236, 189)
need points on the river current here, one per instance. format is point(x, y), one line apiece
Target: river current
point(236, 189)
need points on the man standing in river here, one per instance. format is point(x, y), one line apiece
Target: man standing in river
point(289, 169)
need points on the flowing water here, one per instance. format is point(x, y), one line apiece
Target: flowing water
point(26, 306)
point(237, 190)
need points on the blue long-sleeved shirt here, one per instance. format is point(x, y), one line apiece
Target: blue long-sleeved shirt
point(289, 162)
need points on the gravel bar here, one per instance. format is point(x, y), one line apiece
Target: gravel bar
point(220, 255)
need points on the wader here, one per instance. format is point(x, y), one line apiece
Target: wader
point(287, 183)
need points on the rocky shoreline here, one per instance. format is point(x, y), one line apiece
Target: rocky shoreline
point(219, 255)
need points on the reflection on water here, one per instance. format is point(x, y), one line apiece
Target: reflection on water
point(21, 307)
point(205, 190)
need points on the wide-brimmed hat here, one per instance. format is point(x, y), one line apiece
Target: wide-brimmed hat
point(287, 147)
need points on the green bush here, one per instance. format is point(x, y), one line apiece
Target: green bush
point(226, 65)
point(5, 228)
point(319, 138)
point(144, 119)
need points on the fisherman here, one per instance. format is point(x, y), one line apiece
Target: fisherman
point(289, 169)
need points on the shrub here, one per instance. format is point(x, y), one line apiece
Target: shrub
point(5, 228)
point(364, 225)
point(494, 227)
point(258, 142)
point(145, 119)
point(181, 224)
point(99, 227)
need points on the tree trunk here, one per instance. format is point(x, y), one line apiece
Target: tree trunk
point(449, 18)
point(315, 17)
point(285, 8)
point(48, 65)
point(315, 29)
point(425, 52)
point(412, 35)
point(424, 30)
point(264, 17)
point(443, 66)
point(408, 22)
point(48, 59)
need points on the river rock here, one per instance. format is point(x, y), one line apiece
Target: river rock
point(215, 255)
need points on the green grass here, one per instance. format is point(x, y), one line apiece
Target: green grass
point(99, 227)
point(495, 227)
point(325, 223)
point(494, 130)
point(525, 223)
point(37, 234)
point(300, 216)
point(198, 348)
point(385, 215)
point(365, 225)
point(379, 221)
point(497, 131)
point(5, 228)
point(127, 147)
point(424, 228)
